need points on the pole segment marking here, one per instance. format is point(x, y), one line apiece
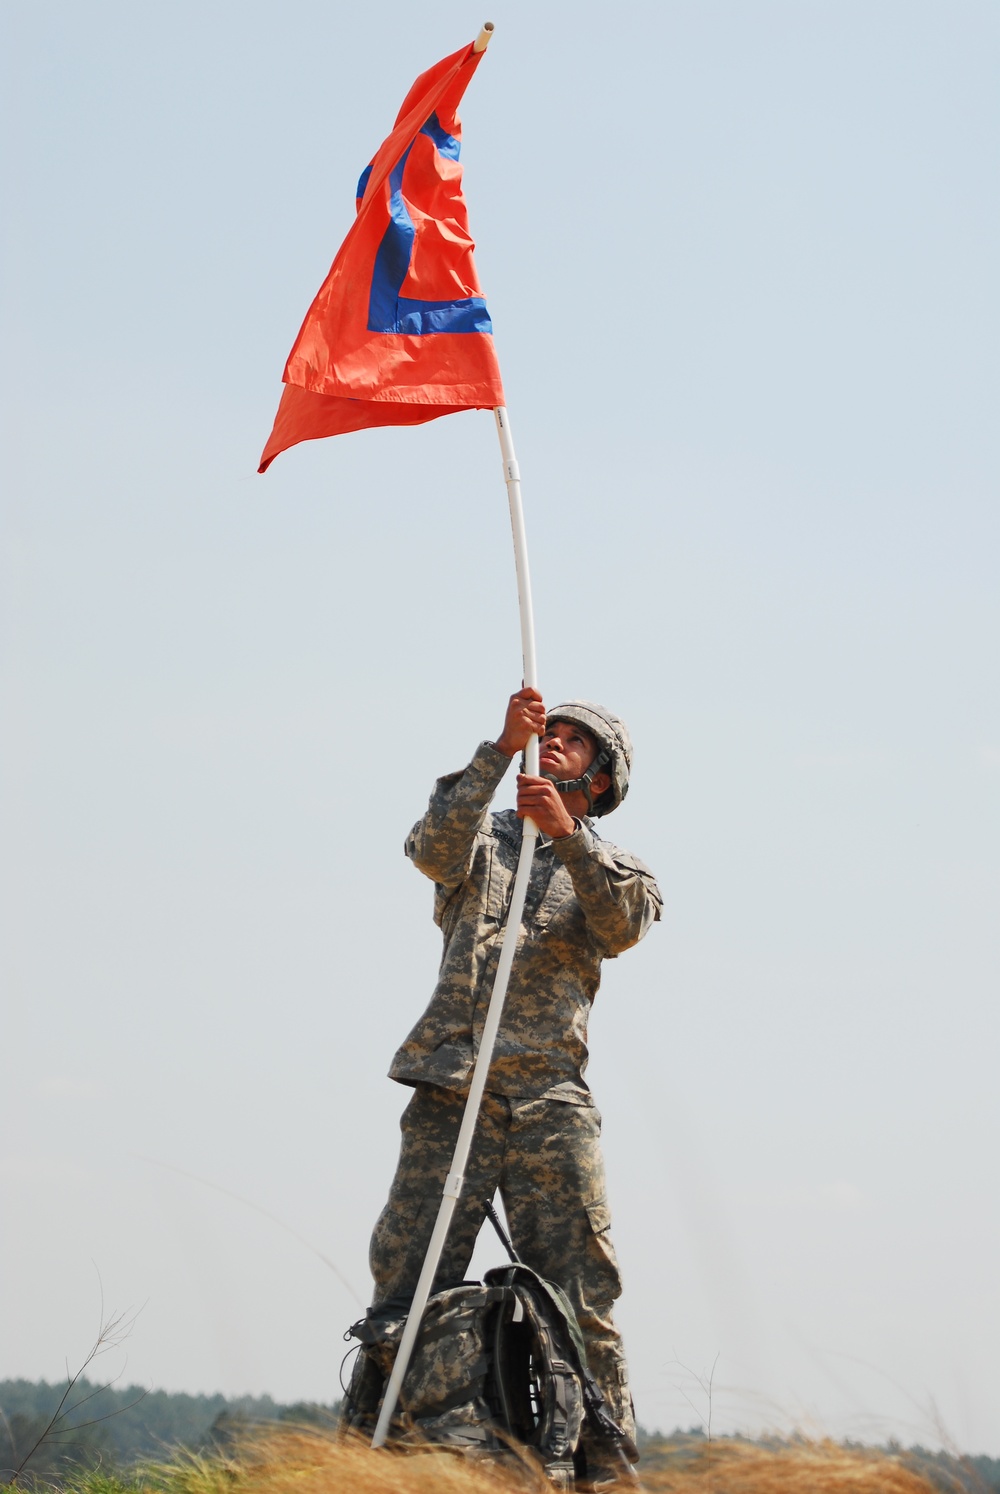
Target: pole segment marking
point(456, 1177)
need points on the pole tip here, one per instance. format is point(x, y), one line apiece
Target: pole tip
point(482, 41)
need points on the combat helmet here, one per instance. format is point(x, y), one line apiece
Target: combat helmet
point(614, 752)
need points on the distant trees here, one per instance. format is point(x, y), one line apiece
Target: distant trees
point(116, 1428)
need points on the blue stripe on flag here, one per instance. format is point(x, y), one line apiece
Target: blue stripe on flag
point(423, 317)
point(447, 144)
point(388, 311)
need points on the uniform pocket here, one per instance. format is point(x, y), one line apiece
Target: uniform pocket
point(602, 1278)
point(600, 1217)
point(498, 885)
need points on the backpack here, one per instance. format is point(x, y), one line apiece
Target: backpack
point(498, 1367)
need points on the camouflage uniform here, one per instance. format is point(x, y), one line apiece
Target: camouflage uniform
point(538, 1133)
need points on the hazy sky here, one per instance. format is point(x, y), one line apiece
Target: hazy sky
point(741, 260)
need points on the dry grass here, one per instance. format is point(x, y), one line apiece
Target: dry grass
point(305, 1461)
point(733, 1467)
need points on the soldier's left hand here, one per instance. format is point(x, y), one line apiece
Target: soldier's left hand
point(540, 800)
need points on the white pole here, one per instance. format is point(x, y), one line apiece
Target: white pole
point(455, 1180)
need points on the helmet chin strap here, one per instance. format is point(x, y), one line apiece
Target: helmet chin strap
point(571, 785)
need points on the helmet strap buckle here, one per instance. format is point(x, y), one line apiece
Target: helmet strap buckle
point(572, 785)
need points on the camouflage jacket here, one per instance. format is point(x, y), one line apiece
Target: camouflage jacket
point(587, 901)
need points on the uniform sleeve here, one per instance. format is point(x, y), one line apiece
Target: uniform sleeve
point(441, 844)
point(617, 891)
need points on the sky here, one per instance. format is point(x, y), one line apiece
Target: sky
point(740, 257)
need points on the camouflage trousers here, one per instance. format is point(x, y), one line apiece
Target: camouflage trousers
point(545, 1158)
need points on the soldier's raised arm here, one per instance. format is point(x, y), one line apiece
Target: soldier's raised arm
point(441, 844)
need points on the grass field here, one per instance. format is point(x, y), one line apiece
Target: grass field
point(311, 1461)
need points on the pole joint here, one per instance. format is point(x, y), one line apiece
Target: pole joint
point(453, 1185)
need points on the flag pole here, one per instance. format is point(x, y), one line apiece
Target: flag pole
point(455, 1180)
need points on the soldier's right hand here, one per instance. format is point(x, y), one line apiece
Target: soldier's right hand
point(525, 719)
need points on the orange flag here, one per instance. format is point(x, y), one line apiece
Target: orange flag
point(399, 332)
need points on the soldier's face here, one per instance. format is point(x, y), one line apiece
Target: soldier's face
point(566, 750)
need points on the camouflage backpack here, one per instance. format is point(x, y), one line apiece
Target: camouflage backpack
point(498, 1367)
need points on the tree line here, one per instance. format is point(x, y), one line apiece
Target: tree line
point(99, 1426)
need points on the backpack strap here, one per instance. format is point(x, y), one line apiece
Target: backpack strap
point(558, 1307)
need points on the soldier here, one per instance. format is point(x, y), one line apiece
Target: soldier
point(537, 1138)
